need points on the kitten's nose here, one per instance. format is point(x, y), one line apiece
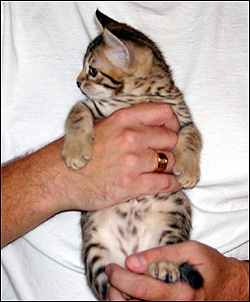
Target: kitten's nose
point(78, 84)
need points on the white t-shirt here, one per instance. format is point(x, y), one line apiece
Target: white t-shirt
point(205, 43)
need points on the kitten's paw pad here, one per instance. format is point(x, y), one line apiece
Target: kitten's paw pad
point(164, 271)
point(76, 157)
point(187, 171)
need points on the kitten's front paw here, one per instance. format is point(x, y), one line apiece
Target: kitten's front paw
point(187, 170)
point(76, 155)
point(164, 271)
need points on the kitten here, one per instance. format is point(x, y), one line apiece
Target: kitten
point(122, 67)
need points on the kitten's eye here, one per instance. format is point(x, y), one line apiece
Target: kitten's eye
point(93, 71)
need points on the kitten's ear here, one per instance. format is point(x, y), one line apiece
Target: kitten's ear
point(117, 52)
point(104, 21)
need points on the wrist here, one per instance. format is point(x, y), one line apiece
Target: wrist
point(239, 279)
point(57, 181)
point(66, 189)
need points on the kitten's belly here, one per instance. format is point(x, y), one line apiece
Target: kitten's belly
point(131, 227)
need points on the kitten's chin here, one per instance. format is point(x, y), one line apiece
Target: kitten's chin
point(84, 93)
point(87, 94)
point(96, 95)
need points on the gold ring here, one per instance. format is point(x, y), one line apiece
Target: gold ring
point(162, 162)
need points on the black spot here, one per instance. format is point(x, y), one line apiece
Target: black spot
point(134, 230)
point(94, 260)
point(178, 215)
point(104, 289)
point(179, 201)
point(78, 120)
point(164, 234)
point(89, 247)
point(121, 213)
point(99, 271)
point(121, 231)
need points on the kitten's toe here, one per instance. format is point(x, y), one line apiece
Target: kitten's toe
point(75, 163)
point(188, 173)
point(169, 273)
point(77, 157)
point(164, 271)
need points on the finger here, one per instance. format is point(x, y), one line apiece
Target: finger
point(170, 162)
point(160, 138)
point(157, 138)
point(152, 183)
point(149, 161)
point(146, 288)
point(115, 295)
point(155, 114)
point(175, 253)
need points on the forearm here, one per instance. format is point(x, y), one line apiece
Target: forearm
point(33, 190)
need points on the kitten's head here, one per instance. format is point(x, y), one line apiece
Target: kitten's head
point(116, 59)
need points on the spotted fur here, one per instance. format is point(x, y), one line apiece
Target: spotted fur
point(121, 68)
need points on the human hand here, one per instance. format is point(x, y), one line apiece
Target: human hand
point(124, 156)
point(224, 278)
point(40, 185)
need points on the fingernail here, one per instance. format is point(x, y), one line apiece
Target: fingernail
point(137, 262)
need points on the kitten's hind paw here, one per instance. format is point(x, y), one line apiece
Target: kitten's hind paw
point(170, 273)
point(164, 271)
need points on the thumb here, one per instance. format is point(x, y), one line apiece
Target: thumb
point(175, 253)
point(154, 114)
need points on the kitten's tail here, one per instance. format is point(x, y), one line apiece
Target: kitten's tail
point(189, 274)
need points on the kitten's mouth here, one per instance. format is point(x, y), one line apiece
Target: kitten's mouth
point(79, 84)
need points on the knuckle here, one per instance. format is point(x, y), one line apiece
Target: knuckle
point(126, 180)
point(129, 137)
point(120, 116)
point(195, 246)
point(130, 160)
point(168, 110)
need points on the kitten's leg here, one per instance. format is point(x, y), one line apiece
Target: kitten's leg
point(187, 152)
point(177, 230)
point(95, 257)
point(78, 141)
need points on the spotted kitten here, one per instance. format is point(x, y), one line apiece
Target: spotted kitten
point(122, 67)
